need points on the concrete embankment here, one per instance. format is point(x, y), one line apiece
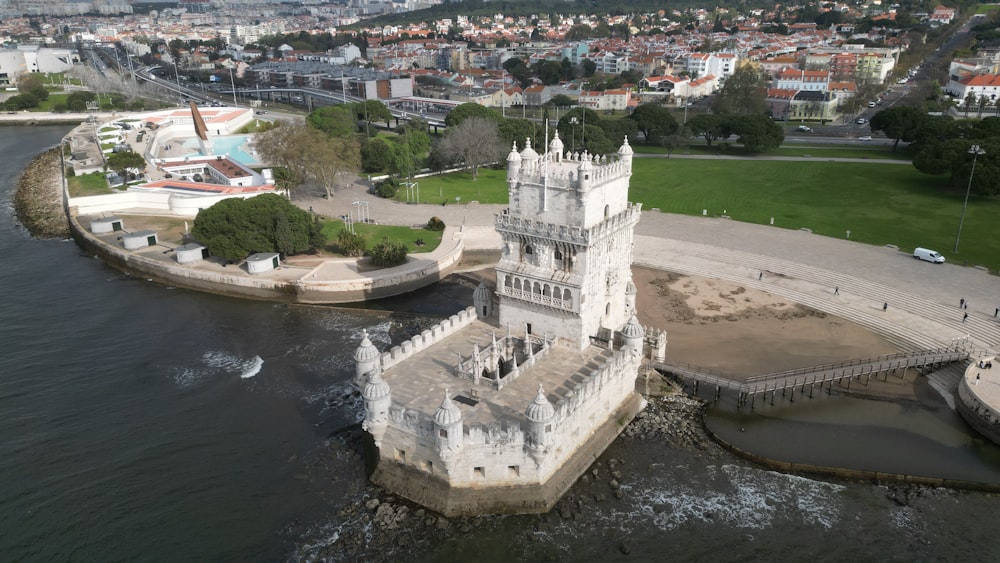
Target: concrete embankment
point(38, 200)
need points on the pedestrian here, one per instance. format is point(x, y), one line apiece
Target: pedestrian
point(961, 303)
point(836, 291)
point(977, 380)
point(966, 306)
point(996, 312)
point(760, 276)
point(885, 307)
point(965, 317)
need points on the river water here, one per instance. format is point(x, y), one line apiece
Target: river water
point(142, 422)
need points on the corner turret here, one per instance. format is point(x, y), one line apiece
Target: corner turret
point(378, 398)
point(366, 359)
point(632, 336)
point(625, 154)
point(556, 147)
point(540, 415)
point(513, 166)
point(482, 300)
point(448, 430)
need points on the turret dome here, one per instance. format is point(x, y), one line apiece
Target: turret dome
point(528, 152)
point(482, 292)
point(630, 288)
point(625, 149)
point(633, 329)
point(556, 144)
point(514, 156)
point(448, 413)
point(540, 410)
point(376, 388)
point(366, 351)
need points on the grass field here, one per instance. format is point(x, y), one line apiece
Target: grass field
point(879, 203)
point(88, 184)
point(859, 150)
point(374, 233)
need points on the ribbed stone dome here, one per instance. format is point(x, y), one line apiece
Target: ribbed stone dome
point(625, 149)
point(366, 351)
point(482, 292)
point(448, 413)
point(513, 156)
point(556, 144)
point(528, 152)
point(633, 329)
point(540, 410)
point(376, 388)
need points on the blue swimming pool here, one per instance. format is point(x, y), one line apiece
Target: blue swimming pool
point(236, 146)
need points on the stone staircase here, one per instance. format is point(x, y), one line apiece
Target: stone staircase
point(945, 381)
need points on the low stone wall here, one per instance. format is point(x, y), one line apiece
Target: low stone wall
point(434, 493)
point(977, 413)
point(383, 283)
point(37, 202)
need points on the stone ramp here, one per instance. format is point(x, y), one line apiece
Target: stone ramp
point(945, 381)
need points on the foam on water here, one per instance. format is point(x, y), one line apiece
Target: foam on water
point(740, 497)
point(217, 363)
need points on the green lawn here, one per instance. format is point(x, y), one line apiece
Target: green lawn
point(827, 151)
point(879, 203)
point(374, 233)
point(489, 187)
point(88, 184)
point(54, 99)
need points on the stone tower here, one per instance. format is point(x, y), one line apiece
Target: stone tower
point(565, 268)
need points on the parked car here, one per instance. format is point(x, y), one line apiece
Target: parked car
point(928, 255)
point(804, 129)
point(862, 121)
point(865, 138)
point(261, 112)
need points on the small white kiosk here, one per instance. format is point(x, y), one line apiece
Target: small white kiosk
point(139, 239)
point(262, 262)
point(106, 225)
point(190, 253)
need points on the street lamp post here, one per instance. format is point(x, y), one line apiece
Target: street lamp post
point(975, 151)
point(572, 120)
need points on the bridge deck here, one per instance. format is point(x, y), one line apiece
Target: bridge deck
point(816, 374)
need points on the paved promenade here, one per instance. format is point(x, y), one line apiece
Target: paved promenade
point(922, 298)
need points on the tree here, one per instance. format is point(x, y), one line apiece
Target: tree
point(561, 101)
point(653, 122)
point(474, 142)
point(335, 121)
point(709, 126)
point(326, 158)
point(674, 141)
point(286, 146)
point(234, 228)
point(758, 133)
point(376, 155)
point(744, 92)
point(970, 100)
point(350, 244)
point(121, 162)
point(589, 68)
point(388, 253)
point(469, 110)
point(900, 123)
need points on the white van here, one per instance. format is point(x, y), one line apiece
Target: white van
point(928, 255)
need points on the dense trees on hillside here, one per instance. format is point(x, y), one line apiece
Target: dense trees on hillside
point(236, 228)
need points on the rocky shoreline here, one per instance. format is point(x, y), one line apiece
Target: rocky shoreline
point(38, 200)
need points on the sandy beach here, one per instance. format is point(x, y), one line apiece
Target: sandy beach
point(741, 331)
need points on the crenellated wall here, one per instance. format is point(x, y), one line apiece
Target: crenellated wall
point(496, 454)
point(428, 337)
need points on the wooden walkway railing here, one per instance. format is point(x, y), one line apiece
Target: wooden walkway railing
point(810, 377)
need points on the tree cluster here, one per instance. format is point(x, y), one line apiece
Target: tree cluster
point(235, 228)
point(941, 145)
point(757, 133)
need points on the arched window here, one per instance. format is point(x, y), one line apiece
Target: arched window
point(556, 293)
point(527, 250)
point(507, 282)
point(517, 284)
point(547, 291)
point(607, 211)
point(558, 254)
point(567, 299)
point(537, 289)
point(607, 309)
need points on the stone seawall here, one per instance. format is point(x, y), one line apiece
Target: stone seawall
point(38, 201)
